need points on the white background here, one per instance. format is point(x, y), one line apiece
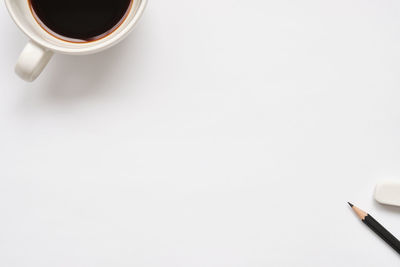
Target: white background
point(221, 133)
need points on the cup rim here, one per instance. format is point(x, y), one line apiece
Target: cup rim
point(82, 50)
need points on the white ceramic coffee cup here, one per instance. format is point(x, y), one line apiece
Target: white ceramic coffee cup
point(43, 45)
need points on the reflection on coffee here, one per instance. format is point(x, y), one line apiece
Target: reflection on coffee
point(80, 20)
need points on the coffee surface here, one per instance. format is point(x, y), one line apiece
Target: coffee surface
point(80, 20)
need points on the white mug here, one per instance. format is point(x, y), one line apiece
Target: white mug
point(43, 45)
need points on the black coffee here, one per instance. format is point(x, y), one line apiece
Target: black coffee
point(80, 20)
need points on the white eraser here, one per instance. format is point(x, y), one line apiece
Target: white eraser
point(388, 193)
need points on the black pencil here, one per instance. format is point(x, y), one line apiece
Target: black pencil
point(377, 228)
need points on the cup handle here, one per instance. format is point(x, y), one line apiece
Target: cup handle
point(32, 61)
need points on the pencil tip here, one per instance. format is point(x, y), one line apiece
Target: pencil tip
point(351, 205)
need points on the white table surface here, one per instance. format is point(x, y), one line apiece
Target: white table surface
point(228, 133)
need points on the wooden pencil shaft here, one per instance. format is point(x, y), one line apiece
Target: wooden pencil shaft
point(381, 231)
